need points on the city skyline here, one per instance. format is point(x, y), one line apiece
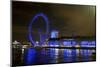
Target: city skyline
point(51, 33)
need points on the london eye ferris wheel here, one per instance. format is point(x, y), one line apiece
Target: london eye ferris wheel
point(30, 30)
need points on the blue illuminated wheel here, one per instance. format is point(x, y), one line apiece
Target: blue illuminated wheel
point(31, 23)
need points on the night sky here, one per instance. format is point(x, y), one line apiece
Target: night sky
point(67, 19)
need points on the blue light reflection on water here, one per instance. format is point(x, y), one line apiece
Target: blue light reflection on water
point(29, 56)
point(51, 55)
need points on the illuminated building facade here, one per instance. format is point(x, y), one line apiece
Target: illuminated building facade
point(54, 34)
point(68, 42)
point(53, 42)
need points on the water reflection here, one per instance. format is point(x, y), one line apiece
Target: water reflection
point(52, 55)
point(29, 56)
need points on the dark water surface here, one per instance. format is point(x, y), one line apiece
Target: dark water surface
point(53, 55)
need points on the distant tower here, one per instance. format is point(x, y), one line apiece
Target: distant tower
point(54, 34)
